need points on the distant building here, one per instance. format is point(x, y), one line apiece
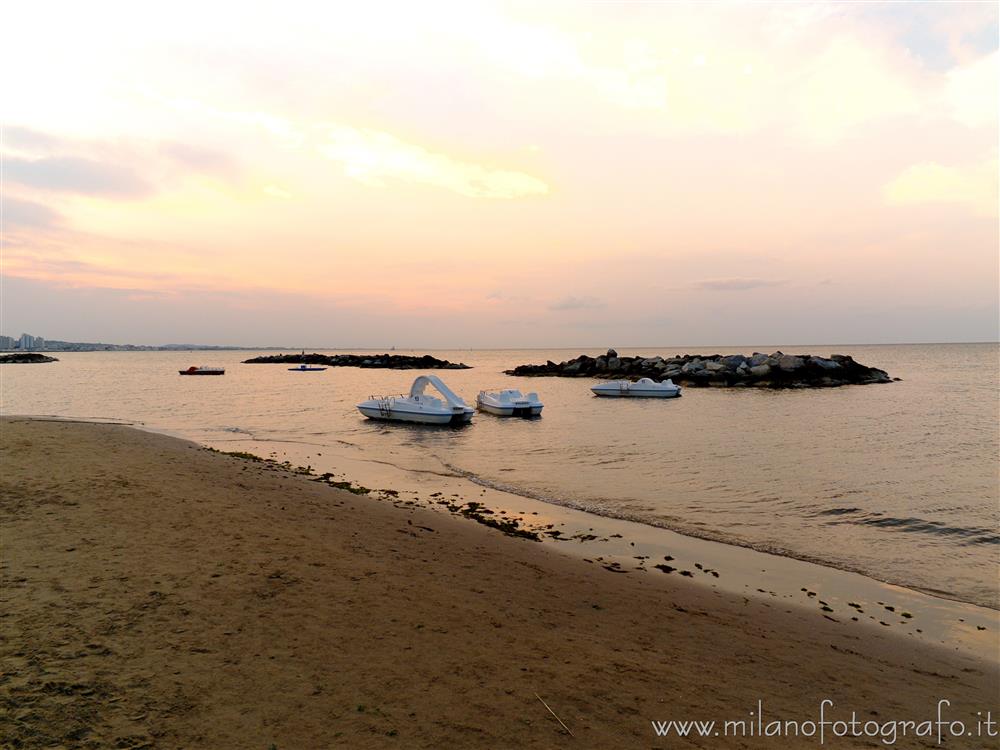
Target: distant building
point(39, 343)
point(26, 342)
point(6, 342)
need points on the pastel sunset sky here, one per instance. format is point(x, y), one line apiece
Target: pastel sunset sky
point(516, 174)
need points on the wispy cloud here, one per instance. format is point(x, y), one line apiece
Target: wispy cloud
point(736, 284)
point(972, 186)
point(199, 158)
point(72, 174)
point(27, 214)
point(26, 139)
point(585, 302)
point(373, 157)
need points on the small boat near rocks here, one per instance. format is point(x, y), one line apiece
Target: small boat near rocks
point(509, 402)
point(418, 406)
point(202, 370)
point(306, 368)
point(642, 388)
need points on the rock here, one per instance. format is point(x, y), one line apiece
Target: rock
point(611, 353)
point(25, 358)
point(826, 364)
point(777, 370)
point(382, 361)
point(790, 363)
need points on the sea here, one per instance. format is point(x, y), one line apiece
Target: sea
point(898, 481)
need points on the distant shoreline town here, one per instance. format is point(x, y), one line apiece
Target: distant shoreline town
point(28, 343)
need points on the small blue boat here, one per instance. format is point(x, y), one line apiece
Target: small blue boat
point(306, 368)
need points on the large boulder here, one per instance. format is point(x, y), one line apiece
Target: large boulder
point(826, 364)
point(790, 363)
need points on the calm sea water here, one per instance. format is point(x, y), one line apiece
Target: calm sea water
point(896, 481)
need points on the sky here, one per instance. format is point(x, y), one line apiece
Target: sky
point(500, 174)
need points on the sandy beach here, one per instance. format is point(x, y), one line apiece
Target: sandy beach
point(158, 594)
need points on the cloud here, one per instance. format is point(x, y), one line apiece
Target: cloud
point(276, 191)
point(26, 139)
point(198, 158)
point(75, 175)
point(971, 91)
point(851, 83)
point(372, 157)
point(737, 284)
point(28, 214)
point(577, 303)
point(51, 264)
point(973, 186)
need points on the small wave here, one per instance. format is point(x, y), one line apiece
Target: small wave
point(968, 535)
point(965, 534)
point(599, 509)
point(238, 430)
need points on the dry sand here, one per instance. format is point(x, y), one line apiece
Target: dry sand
point(156, 594)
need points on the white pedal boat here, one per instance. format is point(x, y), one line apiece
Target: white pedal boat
point(642, 388)
point(418, 406)
point(509, 402)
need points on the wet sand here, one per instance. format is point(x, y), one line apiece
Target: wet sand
point(157, 594)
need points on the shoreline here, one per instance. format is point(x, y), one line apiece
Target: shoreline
point(715, 538)
point(159, 594)
point(812, 585)
point(851, 597)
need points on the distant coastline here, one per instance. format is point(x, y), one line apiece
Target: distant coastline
point(28, 343)
point(74, 347)
point(10, 344)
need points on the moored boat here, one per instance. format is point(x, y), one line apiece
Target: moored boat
point(202, 370)
point(509, 402)
point(306, 368)
point(418, 406)
point(642, 388)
